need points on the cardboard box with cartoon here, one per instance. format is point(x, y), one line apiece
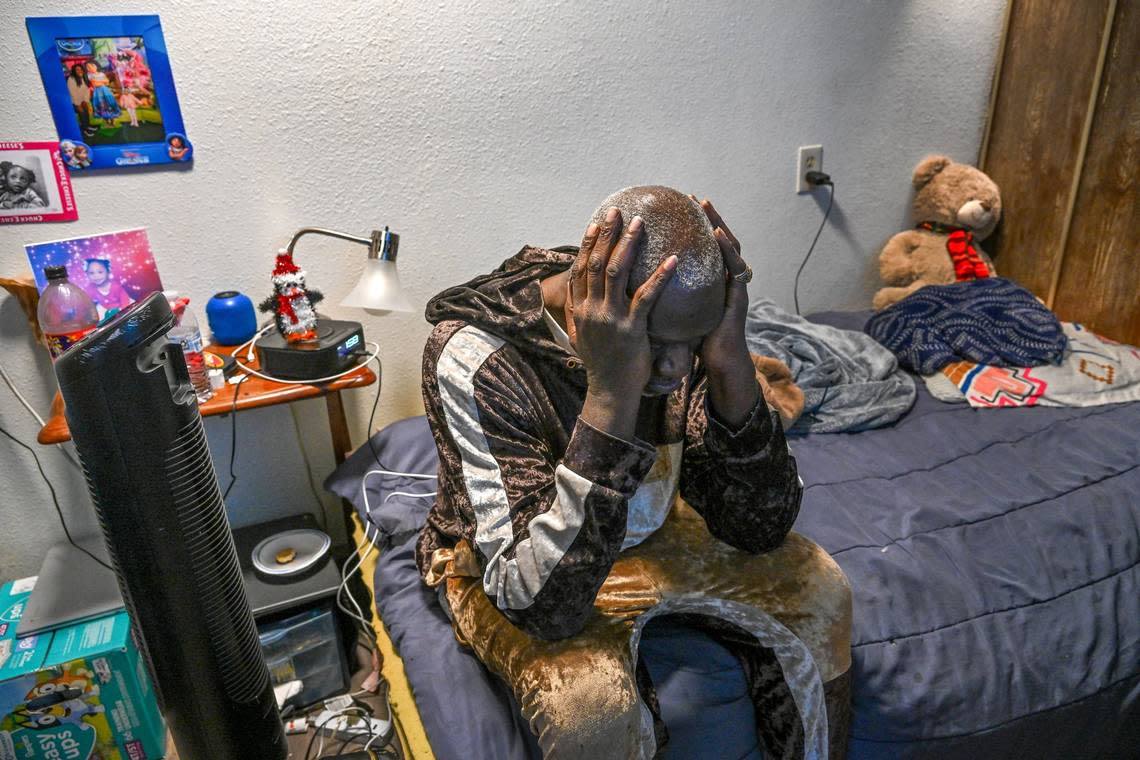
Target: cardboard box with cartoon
point(80, 692)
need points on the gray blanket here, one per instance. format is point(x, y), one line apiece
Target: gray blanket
point(849, 381)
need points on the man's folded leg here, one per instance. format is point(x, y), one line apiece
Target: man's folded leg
point(783, 616)
point(579, 695)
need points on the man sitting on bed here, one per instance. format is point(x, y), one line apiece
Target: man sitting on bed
point(573, 393)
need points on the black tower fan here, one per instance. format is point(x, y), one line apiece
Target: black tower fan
point(135, 422)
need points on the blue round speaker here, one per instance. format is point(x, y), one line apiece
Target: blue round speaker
point(232, 318)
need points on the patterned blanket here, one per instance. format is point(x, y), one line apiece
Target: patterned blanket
point(989, 321)
point(1094, 371)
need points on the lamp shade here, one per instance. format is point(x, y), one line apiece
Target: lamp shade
point(379, 289)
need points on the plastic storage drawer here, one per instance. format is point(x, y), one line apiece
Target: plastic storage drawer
point(306, 647)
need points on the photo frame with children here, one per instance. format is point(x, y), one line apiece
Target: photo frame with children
point(34, 185)
point(110, 89)
point(115, 268)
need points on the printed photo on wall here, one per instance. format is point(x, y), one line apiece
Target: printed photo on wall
point(110, 89)
point(115, 269)
point(34, 185)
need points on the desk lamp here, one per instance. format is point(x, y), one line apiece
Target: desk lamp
point(337, 343)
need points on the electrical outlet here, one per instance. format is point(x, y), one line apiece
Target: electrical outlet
point(809, 158)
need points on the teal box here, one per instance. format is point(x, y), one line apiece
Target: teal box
point(80, 692)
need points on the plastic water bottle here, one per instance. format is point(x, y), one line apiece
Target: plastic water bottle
point(65, 312)
point(188, 335)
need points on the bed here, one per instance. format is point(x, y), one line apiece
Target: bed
point(993, 556)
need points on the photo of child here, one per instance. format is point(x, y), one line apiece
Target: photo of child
point(34, 183)
point(111, 89)
point(104, 291)
point(18, 187)
point(131, 103)
point(115, 269)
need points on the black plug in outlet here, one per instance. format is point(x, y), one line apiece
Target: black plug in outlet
point(817, 179)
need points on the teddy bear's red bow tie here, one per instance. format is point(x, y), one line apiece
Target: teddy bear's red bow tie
point(968, 265)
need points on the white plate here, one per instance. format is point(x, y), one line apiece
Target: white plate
point(309, 544)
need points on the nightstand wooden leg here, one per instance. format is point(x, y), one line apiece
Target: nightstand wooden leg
point(338, 427)
point(341, 446)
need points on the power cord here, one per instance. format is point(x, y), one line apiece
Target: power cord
point(372, 415)
point(36, 415)
point(359, 556)
point(354, 722)
point(20, 396)
point(815, 179)
point(305, 457)
point(373, 355)
point(395, 474)
point(355, 710)
point(233, 437)
point(54, 497)
point(363, 550)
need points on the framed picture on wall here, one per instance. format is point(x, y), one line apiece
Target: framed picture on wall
point(34, 185)
point(110, 89)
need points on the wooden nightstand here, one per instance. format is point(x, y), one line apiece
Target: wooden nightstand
point(253, 393)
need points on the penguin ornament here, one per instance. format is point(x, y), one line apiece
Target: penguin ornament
point(292, 303)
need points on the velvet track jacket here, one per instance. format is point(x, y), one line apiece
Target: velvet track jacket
point(546, 500)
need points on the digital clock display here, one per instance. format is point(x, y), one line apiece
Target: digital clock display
point(346, 348)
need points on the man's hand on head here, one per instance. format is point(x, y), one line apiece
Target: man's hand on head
point(607, 325)
point(733, 389)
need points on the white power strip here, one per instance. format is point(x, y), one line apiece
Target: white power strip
point(345, 726)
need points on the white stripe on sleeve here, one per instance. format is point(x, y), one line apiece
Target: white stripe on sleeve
point(512, 583)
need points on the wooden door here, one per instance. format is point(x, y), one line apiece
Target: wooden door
point(1063, 143)
point(1099, 281)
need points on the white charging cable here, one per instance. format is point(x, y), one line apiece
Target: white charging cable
point(412, 475)
point(252, 341)
point(246, 368)
point(361, 553)
point(32, 411)
point(393, 473)
point(427, 495)
point(20, 396)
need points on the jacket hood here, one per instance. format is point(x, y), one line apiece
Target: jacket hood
point(507, 302)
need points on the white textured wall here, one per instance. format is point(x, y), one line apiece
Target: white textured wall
point(472, 127)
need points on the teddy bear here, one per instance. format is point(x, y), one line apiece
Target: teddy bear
point(955, 207)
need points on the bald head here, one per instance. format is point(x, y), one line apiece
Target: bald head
point(674, 224)
point(692, 304)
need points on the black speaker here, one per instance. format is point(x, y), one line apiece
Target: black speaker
point(135, 422)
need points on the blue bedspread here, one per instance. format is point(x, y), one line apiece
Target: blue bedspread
point(994, 560)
